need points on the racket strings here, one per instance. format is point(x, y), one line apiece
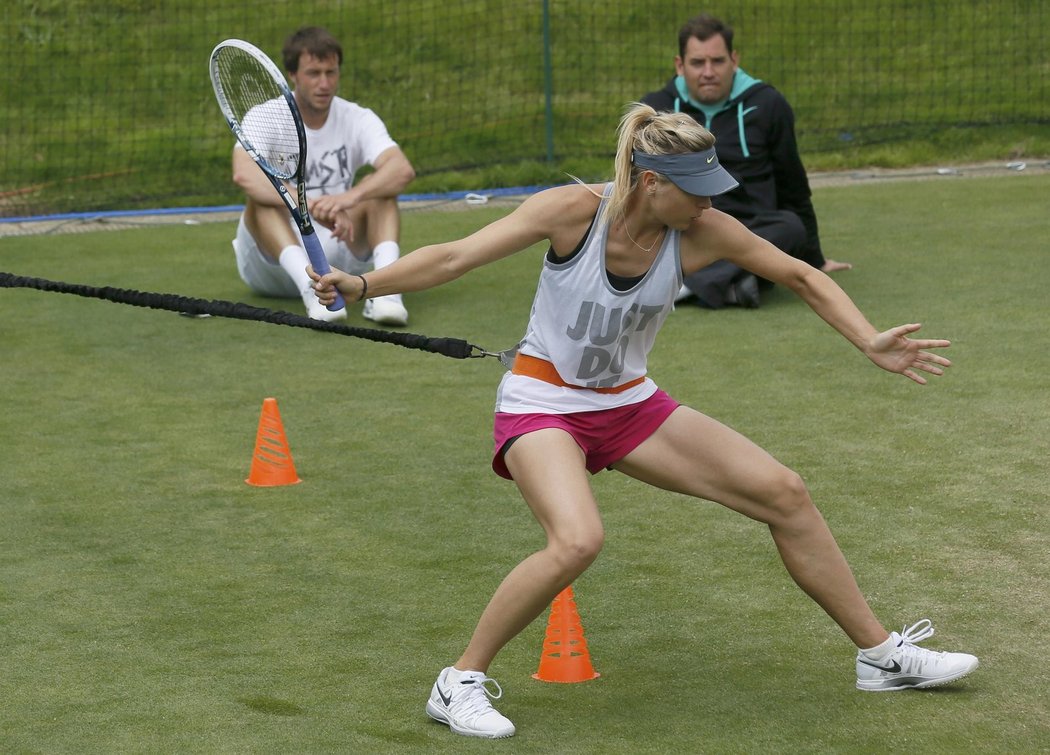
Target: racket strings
point(259, 106)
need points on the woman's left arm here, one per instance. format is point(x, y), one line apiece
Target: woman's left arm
point(892, 349)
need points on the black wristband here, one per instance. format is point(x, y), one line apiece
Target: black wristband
point(364, 288)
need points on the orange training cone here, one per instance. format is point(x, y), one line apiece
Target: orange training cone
point(272, 461)
point(565, 656)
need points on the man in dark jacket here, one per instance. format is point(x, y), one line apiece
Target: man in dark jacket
point(754, 128)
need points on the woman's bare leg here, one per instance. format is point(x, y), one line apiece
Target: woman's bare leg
point(696, 455)
point(548, 468)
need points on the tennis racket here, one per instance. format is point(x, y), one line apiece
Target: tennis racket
point(261, 112)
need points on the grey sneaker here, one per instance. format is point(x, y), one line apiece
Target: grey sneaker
point(465, 706)
point(911, 667)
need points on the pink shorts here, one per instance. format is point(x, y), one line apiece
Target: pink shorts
point(605, 436)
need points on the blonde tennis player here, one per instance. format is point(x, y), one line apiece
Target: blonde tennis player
point(578, 400)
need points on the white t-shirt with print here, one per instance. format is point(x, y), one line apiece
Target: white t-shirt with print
point(352, 137)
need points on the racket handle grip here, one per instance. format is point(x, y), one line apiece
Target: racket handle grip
point(320, 264)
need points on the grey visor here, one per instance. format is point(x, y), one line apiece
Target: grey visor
point(696, 173)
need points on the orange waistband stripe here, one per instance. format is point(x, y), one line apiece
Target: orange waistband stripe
point(541, 369)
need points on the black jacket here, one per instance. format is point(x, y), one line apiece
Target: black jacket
point(755, 141)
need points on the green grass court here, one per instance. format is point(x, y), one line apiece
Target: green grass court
point(151, 601)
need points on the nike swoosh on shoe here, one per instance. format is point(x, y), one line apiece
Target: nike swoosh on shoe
point(893, 668)
point(445, 699)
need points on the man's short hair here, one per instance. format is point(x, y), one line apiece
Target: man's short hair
point(703, 27)
point(312, 40)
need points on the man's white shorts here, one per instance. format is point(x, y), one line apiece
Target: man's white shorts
point(268, 278)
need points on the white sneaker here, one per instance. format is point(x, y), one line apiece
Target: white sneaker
point(315, 310)
point(464, 705)
point(909, 666)
point(386, 310)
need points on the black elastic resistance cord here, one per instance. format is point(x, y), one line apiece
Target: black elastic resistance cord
point(449, 347)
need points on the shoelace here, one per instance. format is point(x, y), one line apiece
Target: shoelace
point(917, 632)
point(474, 701)
point(913, 659)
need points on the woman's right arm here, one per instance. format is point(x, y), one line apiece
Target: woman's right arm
point(538, 218)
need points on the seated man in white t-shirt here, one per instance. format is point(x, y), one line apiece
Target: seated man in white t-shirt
point(358, 224)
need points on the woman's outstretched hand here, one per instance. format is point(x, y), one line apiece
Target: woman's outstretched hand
point(894, 351)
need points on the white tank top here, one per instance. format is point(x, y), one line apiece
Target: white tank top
point(593, 334)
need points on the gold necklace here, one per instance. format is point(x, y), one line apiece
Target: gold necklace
point(628, 232)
